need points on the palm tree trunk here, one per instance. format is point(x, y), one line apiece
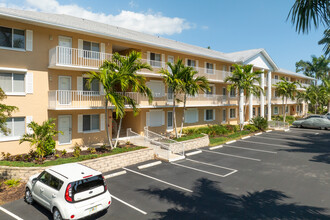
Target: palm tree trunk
point(174, 116)
point(286, 100)
point(118, 132)
point(329, 106)
point(106, 123)
point(245, 108)
point(239, 108)
point(183, 115)
point(283, 109)
point(315, 108)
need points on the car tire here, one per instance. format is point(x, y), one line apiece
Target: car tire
point(299, 126)
point(28, 196)
point(57, 215)
point(322, 128)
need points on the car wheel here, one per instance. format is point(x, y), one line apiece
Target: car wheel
point(57, 215)
point(28, 196)
point(322, 128)
point(299, 126)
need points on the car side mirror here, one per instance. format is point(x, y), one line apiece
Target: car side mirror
point(34, 180)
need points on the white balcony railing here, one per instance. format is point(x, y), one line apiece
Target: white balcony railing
point(72, 57)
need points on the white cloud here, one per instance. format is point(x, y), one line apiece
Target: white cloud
point(148, 22)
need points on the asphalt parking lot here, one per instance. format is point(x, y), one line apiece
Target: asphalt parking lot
point(275, 175)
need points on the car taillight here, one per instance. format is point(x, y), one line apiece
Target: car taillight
point(68, 193)
point(72, 216)
point(105, 184)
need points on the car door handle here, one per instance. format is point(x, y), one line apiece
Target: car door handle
point(54, 196)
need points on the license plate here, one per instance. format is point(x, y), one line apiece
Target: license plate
point(93, 209)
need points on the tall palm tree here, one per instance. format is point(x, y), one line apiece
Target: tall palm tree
point(118, 76)
point(243, 79)
point(173, 80)
point(317, 68)
point(326, 83)
point(191, 85)
point(286, 90)
point(304, 13)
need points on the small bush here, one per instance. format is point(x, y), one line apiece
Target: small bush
point(63, 152)
point(91, 150)
point(259, 122)
point(128, 143)
point(56, 156)
point(12, 182)
point(76, 151)
point(251, 128)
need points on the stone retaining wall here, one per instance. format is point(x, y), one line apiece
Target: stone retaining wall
point(102, 164)
point(191, 144)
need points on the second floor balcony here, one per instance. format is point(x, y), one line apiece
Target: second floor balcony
point(72, 99)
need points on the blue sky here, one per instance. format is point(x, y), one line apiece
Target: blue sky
point(224, 25)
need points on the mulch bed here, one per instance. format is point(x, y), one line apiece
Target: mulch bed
point(9, 194)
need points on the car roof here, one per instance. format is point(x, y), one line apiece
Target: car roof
point(73, 171)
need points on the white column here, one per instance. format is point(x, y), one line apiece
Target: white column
point(251, 103)
point(262, 97)
point(269, 94)
point(240, 106)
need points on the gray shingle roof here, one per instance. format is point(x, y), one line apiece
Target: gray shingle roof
point(96, 28)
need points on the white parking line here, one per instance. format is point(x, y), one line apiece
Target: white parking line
point(193, 153)
point(231, 155)
point(269, 131)
point(10, 213)
point(258, 133)
point(266, 144)
point(162, 181)
point(149, 165)
point(283, 139)
point(302, 130)
point(289, 135)
point(215, 147)
point(245, 137)
point(115, 174)
point(129, 205)
point(230, 142)
point(246, 148)
point(209, 164)
point(203, 171)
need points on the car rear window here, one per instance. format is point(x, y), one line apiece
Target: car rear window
point(87, 184)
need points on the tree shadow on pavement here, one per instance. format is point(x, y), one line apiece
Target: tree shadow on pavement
point(209, 202)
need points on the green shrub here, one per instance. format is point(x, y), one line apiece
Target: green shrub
point(259, 122)
point(76, 151)
point(251, 128)
point(91, 150)
point(12, 182)
point(63, 152)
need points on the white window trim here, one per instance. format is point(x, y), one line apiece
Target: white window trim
point(2, 70)
point(224, 119)
point(213, 90)
point(94, 130)
point(235, 96)
point(12, 48)
point(213, 110)
point(156, 110)
point(169, 128)
point(13, 138)
point(276, 113)
point(235, 113)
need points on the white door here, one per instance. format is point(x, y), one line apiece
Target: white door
point(64, 125)
point(224, 114)
point(65, 50)
point(169, 120)
point(64, 87)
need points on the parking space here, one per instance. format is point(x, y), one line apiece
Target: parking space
point(275, 175)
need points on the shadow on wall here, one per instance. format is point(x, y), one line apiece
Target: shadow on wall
point(92, 141)
point(314, 144)
point(209, 202)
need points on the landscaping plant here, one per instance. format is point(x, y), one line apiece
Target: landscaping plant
point(259, 122)
point(12, 182)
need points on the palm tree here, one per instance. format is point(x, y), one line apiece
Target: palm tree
point(304, 13)
point(173, 80)
point(317, 68)
point(191, 85)
point(243, 79)
point(326, 41)
point(286, 90)
point(118, 76)
point(326, 83)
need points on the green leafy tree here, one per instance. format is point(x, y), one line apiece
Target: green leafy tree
point(173, 80)
point(191, 85)
point(244, 79)
point(119, 76)
point(317, 68)
point(5, 113)
point(305, 13)
point(326, 83)
point(286, 90)
point(41, 137)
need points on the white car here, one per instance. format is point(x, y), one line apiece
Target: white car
point(69, 191)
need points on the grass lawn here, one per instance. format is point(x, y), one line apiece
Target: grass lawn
point(188, 137)
point(220, 140)
point(67, 160)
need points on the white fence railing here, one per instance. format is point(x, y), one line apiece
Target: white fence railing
point(172, 146)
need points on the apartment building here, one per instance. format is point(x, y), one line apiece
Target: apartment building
point(43, 63)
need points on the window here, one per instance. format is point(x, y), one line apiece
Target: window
point(233, 93)
point(191, 63)
point(91, 50)
point(254, 111)
point(155, 118)
point(191, 116)
point(155, 59)
point(298, 108)
point(16, 127)
point(44, 178)
point(275, 110)
point(95, 86)
point(55, 183)
point(232, 113)
point(266, 111)
point(12, 38)
point(224, 91)
point(170, 120)
point(276, 94)
point(276, 77)
point(211, 92)
point(157, 88)
point(286, 109)
point(209, 68)
point(259, 109)
point(91, 123)
point(224, 114)
point(12, 82)
point(231, 69)
point(209, 115)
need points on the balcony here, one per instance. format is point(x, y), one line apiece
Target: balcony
point(76, 59)
point(70, 99)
